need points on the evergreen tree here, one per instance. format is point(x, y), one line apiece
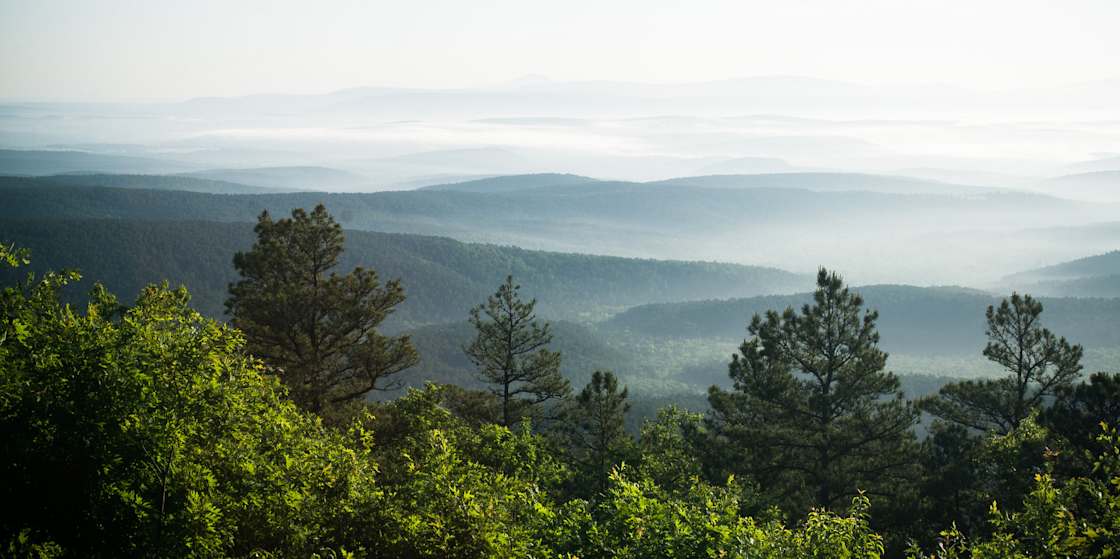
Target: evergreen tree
point(510, 352)
point(1077, 414)
point(595, 428)
point(1040, 364)
point(812, 409)
point(316, 328)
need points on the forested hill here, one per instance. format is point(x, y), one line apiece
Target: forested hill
point(287, 178)
point(1100, 265)
point(911, 319)
point(514, 183)
point(160, 182)
point(830, 182)
point(50, 162)
point(442, 277)
point(788, 228)
point(1092, 276)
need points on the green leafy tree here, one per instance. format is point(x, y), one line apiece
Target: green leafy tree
point(1057, 519)
point(669, 448)
point(456, 490)
point(317, 329)
point(1039, 363)
point(813, 415)
point(636, 519)
point(510, 351)
point(594, 425)
point(146, 431)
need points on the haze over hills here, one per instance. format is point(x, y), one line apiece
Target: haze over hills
point(159, 182)
point(1095, 186)
point(912, 320)
point(52, 162)
point(1102, 163)
point(443, 278)
point(289, 178)
point(612, 130)
point(790, 228)
point(514, 183)
point(820, 181)
point(1092, 276)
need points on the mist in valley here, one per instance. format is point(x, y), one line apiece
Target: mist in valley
point(891, 184)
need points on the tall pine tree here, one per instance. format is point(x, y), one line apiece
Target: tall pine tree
point(1039, 364)
point(511, 353)
point(594, 424)
point(813, 417)
point(317, 328)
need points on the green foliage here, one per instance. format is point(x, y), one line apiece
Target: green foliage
point(1039, 364)
point(146, 431)
point(13, 256)
point(456, 491)
point(317, 331)
point(670, 448)
point(594, 428)
point(1076, 517)
point(510, 351)
point(636, 519)
point(1075, 415)
point(813, 417)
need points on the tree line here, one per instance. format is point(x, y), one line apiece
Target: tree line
point(149, 430)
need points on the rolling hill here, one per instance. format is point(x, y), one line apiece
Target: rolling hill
point(442, 277)
point(912, 320)
point(830, 182)
point(1095, 186)
point(513, 183)
point(160, 182)
point(288, 178)
point(53, 162)
point(1099, 265)
point(790, 228)
point(1092, 276)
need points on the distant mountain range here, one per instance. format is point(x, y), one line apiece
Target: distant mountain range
point(51, 162)
point(185, 183)
point(911, 319)
point(1095, 186)
point(1092, 276)
point(289, 178)
point(790, 221)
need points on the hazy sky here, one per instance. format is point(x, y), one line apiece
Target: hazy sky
point(160, 49)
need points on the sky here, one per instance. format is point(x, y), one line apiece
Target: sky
point(102, 50)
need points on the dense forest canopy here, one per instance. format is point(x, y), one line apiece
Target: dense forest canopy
point(147, 429)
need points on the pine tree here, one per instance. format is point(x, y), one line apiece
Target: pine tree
point(1040, 365)
point(813, 417)
point(594, 424)
point(510, 351)
point(316, 328)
